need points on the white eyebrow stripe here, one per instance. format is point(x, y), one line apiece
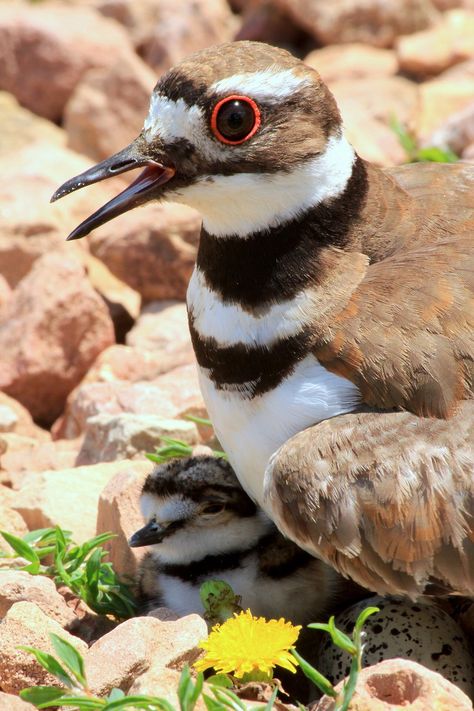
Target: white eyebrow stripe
point(171, 119)
point(229, 324)
point(267, 84)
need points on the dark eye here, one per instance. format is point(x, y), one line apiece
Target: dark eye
point(213, 508)
point(235, 119)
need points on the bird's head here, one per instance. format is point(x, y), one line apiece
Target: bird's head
point(195, 507)
point(245, 133)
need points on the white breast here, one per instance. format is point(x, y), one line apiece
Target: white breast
point(251, 430)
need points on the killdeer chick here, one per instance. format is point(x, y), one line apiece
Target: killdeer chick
point(201, 525)
point(331, 313)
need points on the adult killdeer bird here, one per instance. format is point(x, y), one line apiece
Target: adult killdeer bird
point(201, 525)
point(331, 313)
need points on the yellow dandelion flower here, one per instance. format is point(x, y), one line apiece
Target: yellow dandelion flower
point(248, 646)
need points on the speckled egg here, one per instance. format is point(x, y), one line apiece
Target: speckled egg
point(419, 631)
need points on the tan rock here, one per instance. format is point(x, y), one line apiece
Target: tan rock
point(367, 106)
point(55, 326)
point(182, 388)
point(468, 153)
point(439, 99)
point(152, 250)
point(118, 512)
point(37, 63)
point(113, 290)
point(108, 107)
point(162, 328)
point(457, 133)
point(114, 397)
point(24, 455)
point(158, 682)
point(68, 498)
point(5, 293)
point(262, 21)
point(367, 21)
point(18, 585)
point(132, 364)
point(10, 521)
point(352, 61)
point(165, 614)
point(138, 644)
point(26, 624)
point(399, 683)
point(9, 702)
point(129, 436)
point(430, 52)
point(24, 425)
point(21, 127)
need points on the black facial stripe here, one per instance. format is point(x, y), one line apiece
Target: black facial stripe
point(201, 569)
point(250, 370)
point(274, 265)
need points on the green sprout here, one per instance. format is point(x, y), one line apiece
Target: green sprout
point(219, 601)
point(177, 449)
point(82, 568)
point(415, 154)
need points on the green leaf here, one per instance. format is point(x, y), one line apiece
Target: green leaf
point(37, 695)
point(364, 615)
point(313, 675)
point(51, 665)
point(435, 154)
point(188, 691)
point(212, 704)
point(271, 700)
point(220, 680)
point(140, 702)
point(341, 640)
point(199, 420)
point(81, 702)
point(228, 698)
point(116, 694)
point(24, 551)
point(70, 657)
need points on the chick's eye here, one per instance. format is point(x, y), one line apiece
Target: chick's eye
point(235, 119)
point(213, 508)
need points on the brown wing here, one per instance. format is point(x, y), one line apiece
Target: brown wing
point(386, 498)
point(406, 336)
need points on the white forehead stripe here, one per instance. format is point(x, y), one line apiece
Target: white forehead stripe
point(171, 119)
point(267, 84)
point(170, 508)
point(244, 203)
point(229, 324)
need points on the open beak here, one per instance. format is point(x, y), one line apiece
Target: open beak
point(143, 189)
point(153, 532)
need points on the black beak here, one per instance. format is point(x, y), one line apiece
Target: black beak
point(153, 532)
point(144, 188)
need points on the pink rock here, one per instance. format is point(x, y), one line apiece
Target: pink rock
point(368, 21)
point(183, 390)
point(21, 127)
point(5, 293)
point(468, 152)
point(26, 624)
point(401, 684)
point(430, 52)
point(9, 702)
point(17, 586)
point(108, 107)
point(46, 50)
point(153, 250)
point(24, 424)
point(441, 98)
point(162, 328)
point(457, 133)
point(352, 61)
point(10, 520)
point(133, 363)
point(24, 455)
point(118, 512)
point(55, 327)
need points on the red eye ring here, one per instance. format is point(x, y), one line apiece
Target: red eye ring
point(222, 102)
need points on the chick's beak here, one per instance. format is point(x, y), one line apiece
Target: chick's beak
point(153, 532)
point(144, 188)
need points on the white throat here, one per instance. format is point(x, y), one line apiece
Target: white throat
point(244, 203)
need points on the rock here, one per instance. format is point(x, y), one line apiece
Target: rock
point(108, 107)
point(21, 127)
point(183, 390)
point(159, 682)
point(129, 436)
point(263, 22)
point(24, 424)
point(68, 498)
point(439, 99)
point(132, 364)
point(419, 631)
point(5, 293)
point(8, 419)
point(457, 133)
point(24, 455)
point(118, 512)
point(468, 153)
point(165, 614)
point(55, 326)
point(398, 683)
point(11, 522)
point(112, 398)
point(162, 328)
point(367, 106)
point(9, 702)
point(430, 52)
point(367, 21)
point(112, 290)
point(352, 61)
point(166, 32)
point(26, 624)
point(135, 646)
point(153, 250)
point(18, 585)
point(46, 49)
